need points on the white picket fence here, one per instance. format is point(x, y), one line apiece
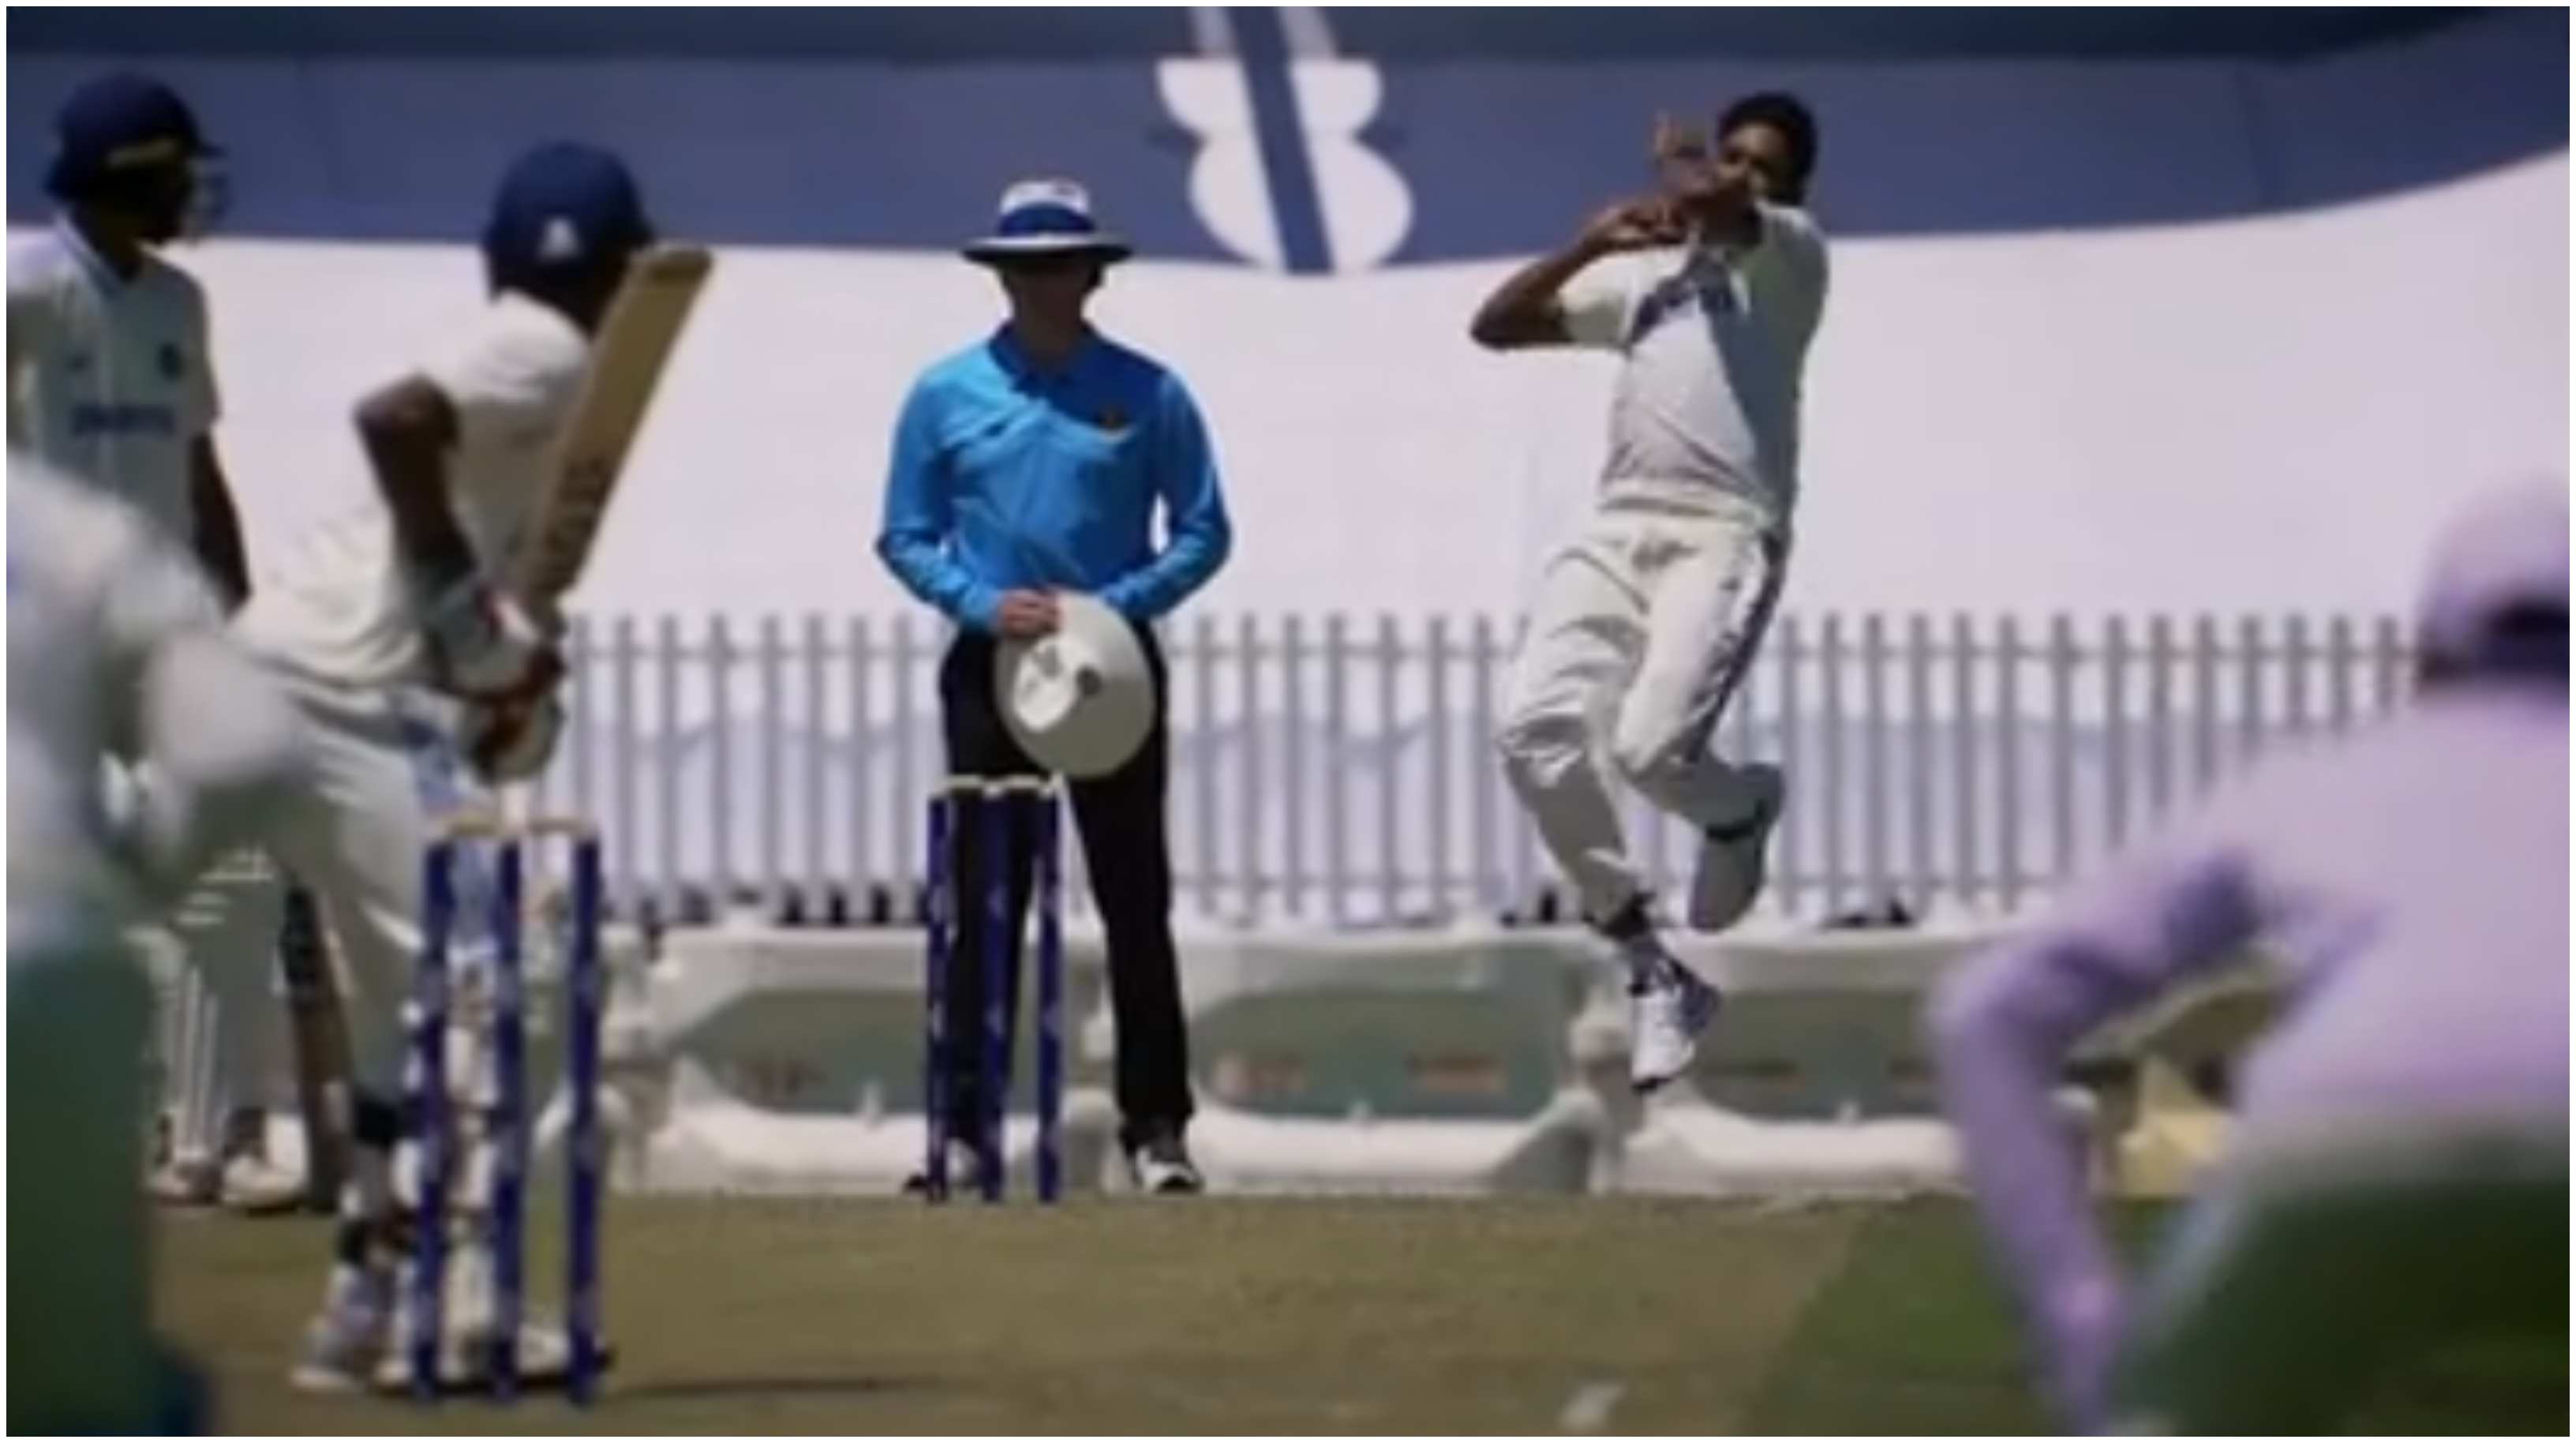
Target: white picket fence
point(1336, 771)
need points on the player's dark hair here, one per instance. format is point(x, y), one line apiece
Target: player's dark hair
point(1788, 115)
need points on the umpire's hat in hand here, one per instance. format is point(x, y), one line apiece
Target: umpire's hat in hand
point(1079, 700)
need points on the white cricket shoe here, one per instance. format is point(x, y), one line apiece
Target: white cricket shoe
point(241, 1179)
point(193, 1181)
point(343, 1344)
point(1666, 1016)
point(1732, 859)
point(1161, 1165)
point(465, 1360)
point(260, 1188)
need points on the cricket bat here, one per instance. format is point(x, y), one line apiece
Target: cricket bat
point(635, 339)
point(321, 1049)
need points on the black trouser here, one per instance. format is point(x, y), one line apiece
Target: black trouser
point(1120, 817)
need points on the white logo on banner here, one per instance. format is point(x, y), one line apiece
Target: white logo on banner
point(1366, 208)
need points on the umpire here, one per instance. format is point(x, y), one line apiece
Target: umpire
point(1027, 464)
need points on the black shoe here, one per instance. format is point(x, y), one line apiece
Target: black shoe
point(1161, 1164)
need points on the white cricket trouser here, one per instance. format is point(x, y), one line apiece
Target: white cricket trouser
point(214, 963)
point(80, 1353)
point(383, 770)
point(1639, 634)
point(2319, 1256)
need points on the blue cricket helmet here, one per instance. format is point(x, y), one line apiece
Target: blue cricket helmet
point(116, 128)
point(563, 209)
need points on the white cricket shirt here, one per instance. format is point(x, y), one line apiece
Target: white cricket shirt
point(110, 379)
point(1714, 342)
point(340, 606)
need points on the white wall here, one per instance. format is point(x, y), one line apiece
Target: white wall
point(2268, 413)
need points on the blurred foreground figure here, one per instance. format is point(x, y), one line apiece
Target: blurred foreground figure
point(2397, 1174)
point(116, 649)
point(112, 380)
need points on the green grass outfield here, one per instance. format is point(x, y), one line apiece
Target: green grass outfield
point(1235, 1316)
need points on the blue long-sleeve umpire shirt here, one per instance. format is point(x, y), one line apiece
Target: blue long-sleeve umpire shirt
point(1005, 476)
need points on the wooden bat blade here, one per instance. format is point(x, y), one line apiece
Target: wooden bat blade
point(634, 344)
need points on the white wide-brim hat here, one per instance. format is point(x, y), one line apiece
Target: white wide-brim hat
point(1079, 700)
point(1045, 218)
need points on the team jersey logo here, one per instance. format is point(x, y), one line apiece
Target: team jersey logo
point(172, 362)
point(1688, 292)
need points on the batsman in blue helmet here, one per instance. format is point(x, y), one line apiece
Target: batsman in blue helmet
point(423, 682)
point(567, 219)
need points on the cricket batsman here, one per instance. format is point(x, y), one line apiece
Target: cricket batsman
point(2397, 1173)
point(116, 649)
point(423, 680)
point(1709, 292)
